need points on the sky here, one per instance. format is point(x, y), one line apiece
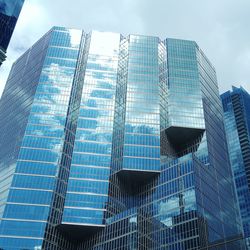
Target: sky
point(220, 27)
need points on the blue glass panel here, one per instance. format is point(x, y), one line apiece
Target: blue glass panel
point(29, 181)
point(20, 228)
point(30, 196)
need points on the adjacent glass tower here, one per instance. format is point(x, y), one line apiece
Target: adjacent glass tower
point(113, 142)
point(9, 12)
point(236, 106)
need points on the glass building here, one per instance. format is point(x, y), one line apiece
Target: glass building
point(9, 12)
point(113, 142)
point(236, 106)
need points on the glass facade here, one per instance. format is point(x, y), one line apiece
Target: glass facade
point(113, 142)
point(9, 12)
point(236, 106)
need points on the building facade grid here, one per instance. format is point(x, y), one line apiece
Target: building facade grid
point(122, 146)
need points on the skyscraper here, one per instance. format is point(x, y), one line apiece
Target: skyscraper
point(113, 142)
point(236, 106)
point(9, 12)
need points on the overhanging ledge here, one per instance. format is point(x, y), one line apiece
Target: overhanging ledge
point(79, 232)
point(132, 179)
point(182, 138)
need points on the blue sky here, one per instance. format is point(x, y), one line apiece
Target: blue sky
point(220, 27)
